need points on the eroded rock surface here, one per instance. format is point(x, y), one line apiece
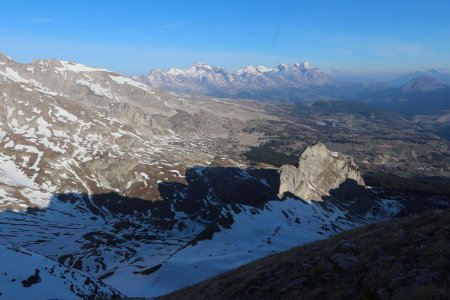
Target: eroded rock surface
point(322, 173)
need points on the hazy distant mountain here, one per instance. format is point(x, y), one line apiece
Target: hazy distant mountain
point(422, 84)
point(208, 80)
point(294, 83)
point(439, 75)
point(420, 95)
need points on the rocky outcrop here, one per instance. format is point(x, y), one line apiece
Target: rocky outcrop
point(322, 173)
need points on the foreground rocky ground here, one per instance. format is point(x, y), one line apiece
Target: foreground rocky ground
point(402, 259)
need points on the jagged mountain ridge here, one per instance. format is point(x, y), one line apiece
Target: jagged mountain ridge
point(58, 114)
point(204, 79)
point(129, 184)
point(300, 82)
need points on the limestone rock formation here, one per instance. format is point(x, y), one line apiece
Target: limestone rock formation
point(322, 173)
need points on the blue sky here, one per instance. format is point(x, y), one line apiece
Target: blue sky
point(361, 37)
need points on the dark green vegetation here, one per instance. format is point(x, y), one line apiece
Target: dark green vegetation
point(302, 94)
point(389, 148)
point(428, 185)
point(419, 95)
point(408, 102)
point(268, 154)
point(402, 259)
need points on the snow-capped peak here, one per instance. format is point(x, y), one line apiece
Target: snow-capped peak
point(264, 69)
point(175, 71)
point(281, 67)
point(253, 70)
point(4, 57)
point(247, 70)
point(305, 65)
point(211, 80)
point(201, 65)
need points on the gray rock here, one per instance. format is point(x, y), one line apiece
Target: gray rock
point(321, 171)
point(344, 261)
point(298, 283)
point(349, 248)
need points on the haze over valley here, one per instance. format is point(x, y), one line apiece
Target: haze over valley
point(193, 182)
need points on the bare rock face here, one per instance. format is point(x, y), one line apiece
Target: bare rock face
point(322, 173)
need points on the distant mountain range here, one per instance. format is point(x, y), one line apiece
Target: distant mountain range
point(419, 95)
point(300, 82)
point(438, 75)
point(209, 80)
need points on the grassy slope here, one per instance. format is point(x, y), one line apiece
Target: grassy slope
point(403, 259)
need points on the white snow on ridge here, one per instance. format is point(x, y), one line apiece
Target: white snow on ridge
point(176, 71)
point(13, 176)
point(259, 70)
point(15, 77)
point(387, 208)
point(129, 81)
point(280, 226)
point(96, 88)
point(63, 115)
point(78, 68)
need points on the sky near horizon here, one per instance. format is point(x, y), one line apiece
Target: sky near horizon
point(341, 36)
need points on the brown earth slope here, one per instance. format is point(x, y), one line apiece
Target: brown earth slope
point(402, 259)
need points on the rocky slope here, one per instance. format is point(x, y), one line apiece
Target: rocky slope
point(321, 171)
point(209, 80)
point(131, 185)
point(223, 218)
point(403, 259)
point(92, 123)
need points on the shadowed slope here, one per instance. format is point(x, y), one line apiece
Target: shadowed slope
point(405, 259)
